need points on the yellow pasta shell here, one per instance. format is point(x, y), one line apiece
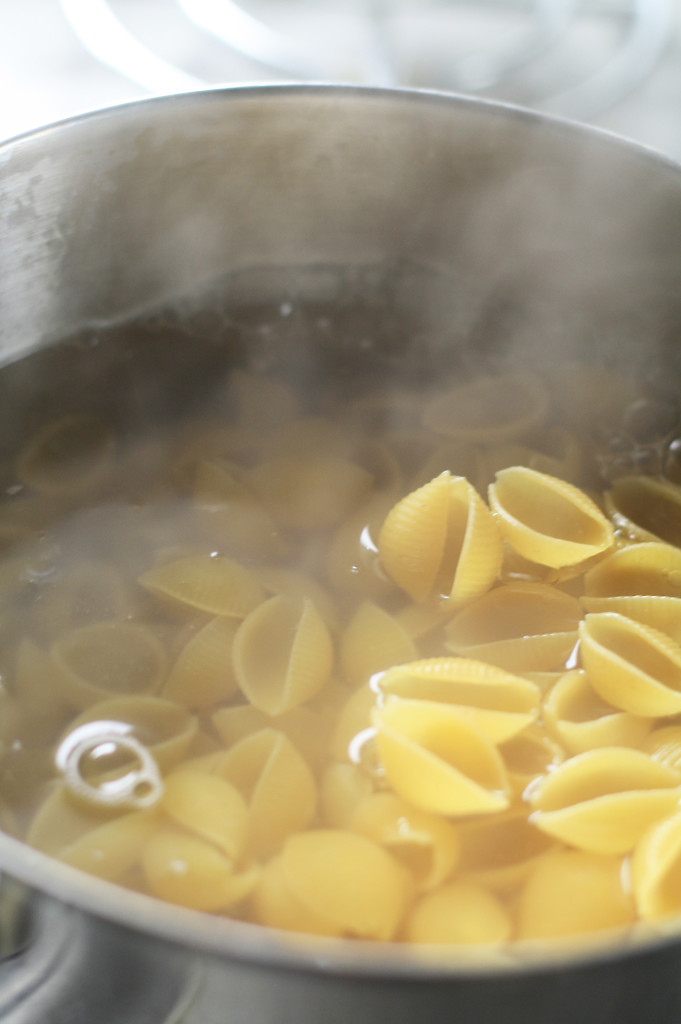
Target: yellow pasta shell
point(306, 728)
point(283, 654)
point(208, 806)
point(90, 591)
point(660, 613)
point(572, 893)
point(441, 539)
point(548, 520)
point(373, 640)
point(632, 666)
point(277, 580)
point(490, 408)
point(635, 569)
point(308, 492)
point(203, 673)
point(277, 783)
point(111, 849)
point(426, 844)
point(354, 718)
point(352, 563)
point(108, 659)
point(497, 703)
point(437, 761)
point(664, 745)
point(528, 755)
point(648, 509)
point(581, 720)
point(602, 801)
point(216, 585)
point(655, 868)
point(277, 906)
point(500, 851)
point(460, 913)
point(185, 869)
point(230, 514)
point(347, 879)
point(521, 627)
point(342, 788)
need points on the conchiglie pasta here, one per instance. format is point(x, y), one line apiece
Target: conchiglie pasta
point(489, 409)
point(231, 514)
point(581, 720)
point(655, 868)
point(69, 455)
point(371, 641)
point(206, 583)
point(441, 539)
point(647, 509)
point(547, 520)
point(207, 806)
point(309, 493)
point(203, 673)
point(460, 913)
point(283, 654)
point(500, 851)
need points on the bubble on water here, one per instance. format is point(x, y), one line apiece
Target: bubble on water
point(286, 308)
point(42, 564)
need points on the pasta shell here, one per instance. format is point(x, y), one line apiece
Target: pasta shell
point(500, 851)
point(347, 879)
point(655, 867)
point(555, 452)
point(215, 585)
point(497, 703)
point(352, 564)
point(354, 719)
point(528, 756)
point(210, 807)
point(109, 850)
point(37, 692)
point(276, 905)
point(342, 788)
point(570, 892)
point(631, 666)
point(521, 627)
point(648, 509)
point(635, 569)
point(165, 729)
point(277, 580)
point(69, 455)
point(231, 515)
point(660, 613)
point(437, 761)
point(664, 745)
point(186, 870)
point(277, 783)
point(108, 659)
point(305, 727)
point(373, 640)
point(548, 520)
point(283, 654)
point(203, 673)
point(489, 409)
point(213, 443)
point(456, 457)
point(426, 844)
point(309, 492)
point(460, 913)
point(441, 539)
point(602, 801)
point(581, 720)
point(90, 591)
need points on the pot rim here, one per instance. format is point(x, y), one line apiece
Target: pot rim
point(254, 944)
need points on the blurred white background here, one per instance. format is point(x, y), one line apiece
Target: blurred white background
point(615, 63)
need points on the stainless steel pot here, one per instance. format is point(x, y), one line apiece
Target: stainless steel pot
point(554, 236)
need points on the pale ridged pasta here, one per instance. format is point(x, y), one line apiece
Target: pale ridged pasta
point(277, 784)
point(206, 583)
point(203, 673)
point(529, 756)
point(304, 726)
point(602, 801)
point(92, 591)
point(69, 455)
point(373, 640)
point(499, 705)
point(521, 627)
point(441, 539)
point(283, 654)
point(427, 845)
point(437, 761)
point(489, 409)
point(460, 913)
point(655, 867)
point(501, 851)
point(353, 720)
point(210, 807)
point(581, 720)
point(632, 666)
point(276, 904)
point(548, 520)
point(342, 788)
point(230, 514)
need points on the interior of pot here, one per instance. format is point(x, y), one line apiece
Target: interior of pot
point(473, 230)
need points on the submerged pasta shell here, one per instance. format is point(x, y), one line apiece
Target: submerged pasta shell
point(522, 627)
point(489, 409)
point(309, 492)
point(570, 892)
point(203, 673)
point(90, 591)
point(528, 756)
point(283, 654)
point(343, 787)
point(649, 509)
point(460, 913)
point(373, 640)
point(548, 520)
point(70, 454)
point(655, 869)
point(108, 659)
point(230, 514)
point(500, 851)
point(208, 806)
point(441, 539)
point(216, 585)
point(304, 726)
point(276, 580)
point(603, 800)
point(581, 720)
point(632, 666)
point(426, 844)
point(184, 869)
point(664, 745)
point(347, 879)
point(352, 563)
point(637, 569)
point(276, 905)
point(353, 720)
point(497, 703)
point(438, 761)
point(277, 784)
